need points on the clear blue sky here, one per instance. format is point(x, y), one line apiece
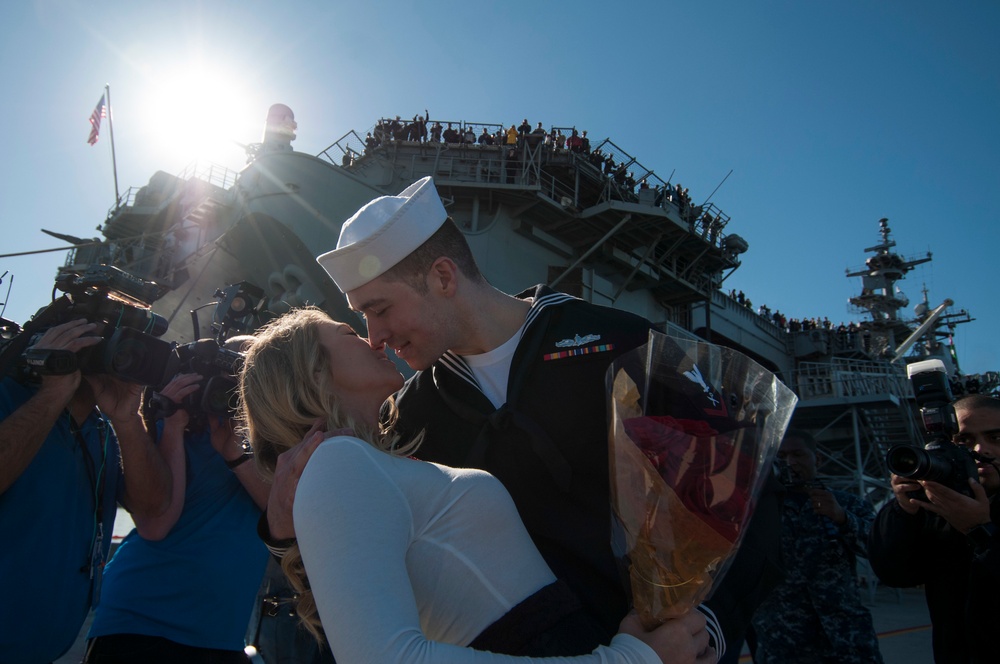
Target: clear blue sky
point(831, 115)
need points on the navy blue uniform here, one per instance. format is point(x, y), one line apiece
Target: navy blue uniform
point(815, 614)
point(548, 444)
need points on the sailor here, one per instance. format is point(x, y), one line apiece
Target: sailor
point(510, 384)
point(816, 614)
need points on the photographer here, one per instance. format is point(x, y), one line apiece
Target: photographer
point(815, 615)
point(947, 541)
point(64, 467)
point(181, 586)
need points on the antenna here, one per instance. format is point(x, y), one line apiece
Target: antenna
point(717, 187)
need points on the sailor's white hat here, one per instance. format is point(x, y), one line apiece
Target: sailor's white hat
point(382, 233)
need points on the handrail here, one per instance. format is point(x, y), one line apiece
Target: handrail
point(205, 171)
point(849, 378)
point(351, 149)
point(210, 172)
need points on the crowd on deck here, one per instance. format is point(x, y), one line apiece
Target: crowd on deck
point(553, 141)
point(794, 324)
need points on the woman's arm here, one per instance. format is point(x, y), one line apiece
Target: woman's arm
point(230, 447)
point(171, 447)
point(354, 527)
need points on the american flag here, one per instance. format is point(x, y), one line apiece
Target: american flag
point(100, 111)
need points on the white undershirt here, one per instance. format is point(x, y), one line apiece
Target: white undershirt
point(410, 560)
point(492, 368)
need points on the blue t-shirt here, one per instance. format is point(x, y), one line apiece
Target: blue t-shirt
point(48, 518)
point(197, 585)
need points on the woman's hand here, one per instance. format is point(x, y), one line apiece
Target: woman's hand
point(287, 471)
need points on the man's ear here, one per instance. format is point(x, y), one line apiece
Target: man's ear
point(443, 277)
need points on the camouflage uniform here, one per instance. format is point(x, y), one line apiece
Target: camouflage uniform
point(816, 614)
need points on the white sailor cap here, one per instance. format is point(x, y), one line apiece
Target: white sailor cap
point(382, 233)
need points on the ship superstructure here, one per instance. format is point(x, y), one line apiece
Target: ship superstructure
point(852, 382)
point(590, 220)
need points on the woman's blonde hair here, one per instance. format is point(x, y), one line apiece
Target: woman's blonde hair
point(285, 386)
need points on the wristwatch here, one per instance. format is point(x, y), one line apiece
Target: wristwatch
point(983, 536)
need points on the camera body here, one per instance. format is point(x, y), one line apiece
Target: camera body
point(941, 460)
point(238, 309)
point(218, 367)
point(118, 303)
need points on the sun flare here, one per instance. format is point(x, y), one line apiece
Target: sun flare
point(200, 112)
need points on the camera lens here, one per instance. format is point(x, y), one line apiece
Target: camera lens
point(219, 396)
point(907, 461)
point(936, 464)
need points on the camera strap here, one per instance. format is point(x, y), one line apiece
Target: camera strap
point(94, 565)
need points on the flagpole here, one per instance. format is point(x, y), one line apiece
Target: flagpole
point(111, 131)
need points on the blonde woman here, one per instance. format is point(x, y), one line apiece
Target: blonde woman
point(399, 560)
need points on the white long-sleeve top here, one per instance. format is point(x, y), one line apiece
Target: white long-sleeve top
point(409, 561)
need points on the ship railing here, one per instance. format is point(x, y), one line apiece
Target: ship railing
point(459, 125)
point(136, 255)
point(345, 151)
point(535, 164)
point(847, 378)
point(766, 324)
point(213, 174)
point(125, 200)
point(557, 190)
point(463, 162)
point(709, 223)
point(462, 126)
point(836, 340)
point(205, 171)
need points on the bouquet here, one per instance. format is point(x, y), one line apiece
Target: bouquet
point(694, 431)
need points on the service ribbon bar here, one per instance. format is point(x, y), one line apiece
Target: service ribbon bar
point(603, 348)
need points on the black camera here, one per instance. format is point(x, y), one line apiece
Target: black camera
point(118, 303)
point(217, 366)
point(238, 309)
point(941, 460)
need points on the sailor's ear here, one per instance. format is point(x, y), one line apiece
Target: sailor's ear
point(443, 277)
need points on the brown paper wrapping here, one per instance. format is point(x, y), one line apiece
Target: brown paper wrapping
point(672, 551)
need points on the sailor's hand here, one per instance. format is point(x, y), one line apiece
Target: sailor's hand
point(681, 640)
point(825, 504)
point(287, 471)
